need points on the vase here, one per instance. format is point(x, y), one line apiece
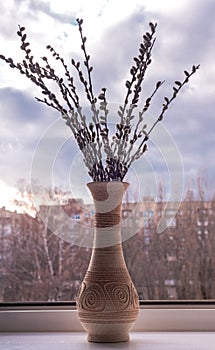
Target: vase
point(107, 301)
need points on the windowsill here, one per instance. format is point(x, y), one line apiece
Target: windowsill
point(138, 340)
point(151, 318)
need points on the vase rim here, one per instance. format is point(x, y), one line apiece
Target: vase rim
point(107, 182)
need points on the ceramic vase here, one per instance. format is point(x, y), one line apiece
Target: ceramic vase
point(107, 301)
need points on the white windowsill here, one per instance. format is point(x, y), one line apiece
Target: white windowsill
point(138, 341)
point(150, 318)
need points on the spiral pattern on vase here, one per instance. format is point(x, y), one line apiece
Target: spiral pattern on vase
point(92, 298)
point(119, 294)
point(134, 298)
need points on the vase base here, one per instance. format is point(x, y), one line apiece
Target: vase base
point(107, 333)
point(107, 338)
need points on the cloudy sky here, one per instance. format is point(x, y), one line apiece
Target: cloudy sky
point(34, 142)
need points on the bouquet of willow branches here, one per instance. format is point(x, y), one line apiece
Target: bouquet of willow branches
point(107, 157)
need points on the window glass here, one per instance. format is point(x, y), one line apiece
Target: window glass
point(168, 215)
point(176, 264)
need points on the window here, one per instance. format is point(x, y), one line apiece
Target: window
point(39, 265)
point(177, 264)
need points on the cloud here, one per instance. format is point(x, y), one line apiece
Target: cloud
point(37, 7)
point(183, 39)
point(22, 123)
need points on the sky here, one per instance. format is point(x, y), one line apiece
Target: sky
point(35, 144)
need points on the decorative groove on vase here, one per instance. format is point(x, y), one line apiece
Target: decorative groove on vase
point(108, 219)
point(112, 318)
point(119, 276)
point(119, 295)
point(114, 301)
point(92, 298)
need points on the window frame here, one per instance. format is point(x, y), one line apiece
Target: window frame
point(153, 316)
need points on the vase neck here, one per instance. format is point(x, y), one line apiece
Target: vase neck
point(107, 197)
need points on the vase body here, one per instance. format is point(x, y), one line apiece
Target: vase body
point(107, 301)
